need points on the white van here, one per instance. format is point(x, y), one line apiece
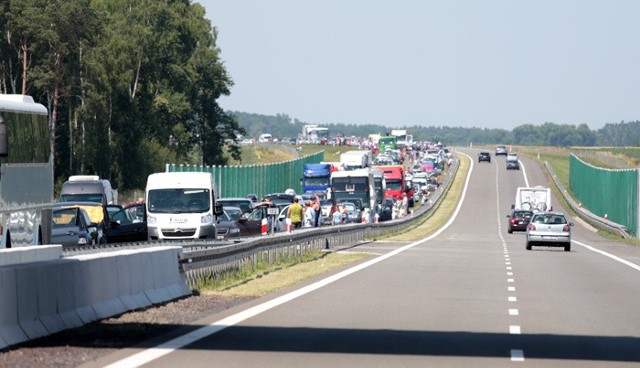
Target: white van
point(89, 188)
point(181, 205)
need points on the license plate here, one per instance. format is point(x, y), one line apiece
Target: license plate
point(551, 237)
point(521, 222)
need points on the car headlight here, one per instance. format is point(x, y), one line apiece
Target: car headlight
point(206, 219)
point(151, 220)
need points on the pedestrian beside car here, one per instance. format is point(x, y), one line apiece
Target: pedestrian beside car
point(295, 214)
point(337, 216)
point(309, 215)
point(317, 210)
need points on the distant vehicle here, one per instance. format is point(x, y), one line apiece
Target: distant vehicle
point(181, 205)
point(265, 138)
point(354, 213)
point(358, 159)
point(355, 184)
point(394, 179)
point(484, 156)
point(315, 178)
point(245, 204)
point(501, 150)
point(549, 229)
point(402, 138)
point(386, 210)
point(281, 199)
point(71, 226)
point(88, 188)
point(315, 134)
point(387, 142)
point(513, 162)
point(533, 199)
point(518, 220)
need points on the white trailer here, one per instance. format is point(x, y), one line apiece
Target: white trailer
point(352, 160)
point(533, 199)
point(181, 205)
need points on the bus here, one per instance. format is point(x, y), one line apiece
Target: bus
point(26, 172)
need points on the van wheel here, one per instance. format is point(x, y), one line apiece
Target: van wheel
point(567, 248)
point(528, 246)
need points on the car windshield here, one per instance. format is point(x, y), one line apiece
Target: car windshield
point(179, 200)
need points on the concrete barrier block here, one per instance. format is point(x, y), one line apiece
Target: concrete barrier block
point(29, 254)
point(28, 290)
point(10, 331)
point(48, 280)
point(65, 300)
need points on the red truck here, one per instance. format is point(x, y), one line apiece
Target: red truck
point(394, 176)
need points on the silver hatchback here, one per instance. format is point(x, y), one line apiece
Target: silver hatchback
point(549, 229)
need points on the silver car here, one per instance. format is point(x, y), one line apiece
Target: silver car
point(549, 229)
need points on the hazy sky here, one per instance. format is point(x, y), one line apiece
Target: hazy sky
point(488, 63)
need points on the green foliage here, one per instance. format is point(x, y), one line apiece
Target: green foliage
point(124, 80)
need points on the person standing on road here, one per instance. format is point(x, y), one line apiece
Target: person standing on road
point(309, 215)
point(316, 207)
point(295, 214)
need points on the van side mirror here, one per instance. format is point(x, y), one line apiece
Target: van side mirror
point(217, 209)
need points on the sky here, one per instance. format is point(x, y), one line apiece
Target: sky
point(487, 64)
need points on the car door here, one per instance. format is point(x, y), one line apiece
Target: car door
point(250, 223)
point(128, 225)
point(65, 228)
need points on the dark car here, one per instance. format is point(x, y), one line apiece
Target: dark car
point(512, 162)
point(226, 227)
point(386, 210)
point(128, 225)
point(246, 204)
point(281, 199)
point(71, 226)
point(518, 220)
point(484, 156)
point(250, 223)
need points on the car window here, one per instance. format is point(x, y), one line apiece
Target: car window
point(65, 217)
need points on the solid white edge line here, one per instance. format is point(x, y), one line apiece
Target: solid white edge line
point(154, 353)
point(615, 258)
point(517, 355)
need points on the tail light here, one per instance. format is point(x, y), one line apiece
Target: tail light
point(532, 227)
point(566, 228)
point(512, 221)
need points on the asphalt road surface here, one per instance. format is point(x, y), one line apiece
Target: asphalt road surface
point(468, 296)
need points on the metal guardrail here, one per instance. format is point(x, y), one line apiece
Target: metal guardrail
point(585, 214)
point(201, 260)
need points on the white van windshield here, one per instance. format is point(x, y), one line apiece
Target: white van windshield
point(181, 200)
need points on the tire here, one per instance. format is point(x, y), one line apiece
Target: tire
point(510, 231)
point(567, 248)
point(528, 246)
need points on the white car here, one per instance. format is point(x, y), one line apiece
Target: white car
point(549, 229)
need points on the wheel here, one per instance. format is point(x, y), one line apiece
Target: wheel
point(528, 246)
point(510, 231)
point(567, 248)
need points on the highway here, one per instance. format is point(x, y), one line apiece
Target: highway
point(468, 296)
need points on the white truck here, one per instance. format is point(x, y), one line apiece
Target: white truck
point(181, 205)
point(402, 138)
point(358, 159)
point(536, 198)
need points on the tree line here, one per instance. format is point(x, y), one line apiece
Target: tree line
point(130, 85)
point(621, 134)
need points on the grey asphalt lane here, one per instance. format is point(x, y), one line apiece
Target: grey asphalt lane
point(469, 296)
